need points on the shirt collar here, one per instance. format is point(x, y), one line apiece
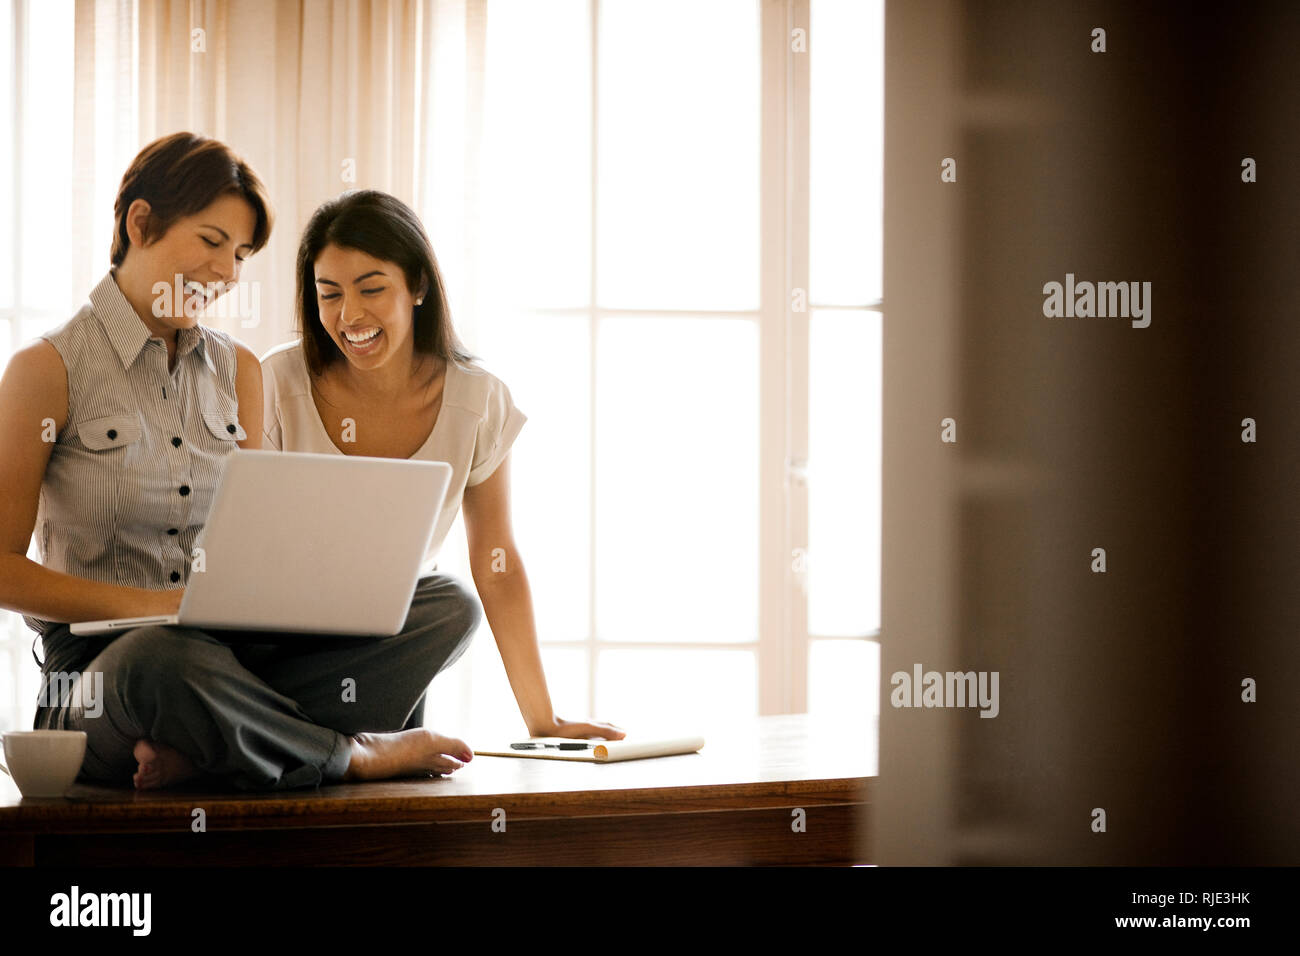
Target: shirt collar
point(127, 332)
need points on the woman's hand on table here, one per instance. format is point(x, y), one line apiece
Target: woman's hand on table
point(580, 728)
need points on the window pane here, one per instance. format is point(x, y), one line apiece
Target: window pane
point(34, 324)
point(646, 691)
point(14, 703)
point(473, 700)
point(844, 685)
point(46, 204)
point(566, 679)
point(545, 361)
point(536, 184)
point(846, 123)
point(844, 416)
point(7, 220)
point(677, 479)
point(678, 162)
point(492, 706)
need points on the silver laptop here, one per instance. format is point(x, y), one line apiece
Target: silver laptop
point(320, 544)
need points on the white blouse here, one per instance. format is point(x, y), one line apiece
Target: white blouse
point(476, 425)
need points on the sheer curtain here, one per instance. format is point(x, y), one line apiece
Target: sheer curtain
point(318, 96)
point(67, 93)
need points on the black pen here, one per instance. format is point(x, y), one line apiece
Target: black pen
point(534, 745)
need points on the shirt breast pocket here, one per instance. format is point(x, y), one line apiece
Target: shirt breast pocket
point(110, 434)
point(224, 425)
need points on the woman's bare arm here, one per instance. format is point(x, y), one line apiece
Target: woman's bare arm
point(34, 398)
point(248, 387)
point(502, 584)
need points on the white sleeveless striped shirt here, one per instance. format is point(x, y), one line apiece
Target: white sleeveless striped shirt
point(132, 475)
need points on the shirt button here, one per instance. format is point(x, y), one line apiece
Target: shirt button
point(176, 576)
point(172, 531)
point(231, 429)
point(112, 433)
point(177, 441)
point(185, 490)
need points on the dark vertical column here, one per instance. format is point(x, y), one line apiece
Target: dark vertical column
point(1118, 690)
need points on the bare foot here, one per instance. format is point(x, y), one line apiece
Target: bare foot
point(405, 753)
point(160, 765)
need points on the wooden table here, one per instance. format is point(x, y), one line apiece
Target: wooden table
point(733, 803)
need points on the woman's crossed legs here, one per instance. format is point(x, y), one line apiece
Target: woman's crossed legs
point(271, 711)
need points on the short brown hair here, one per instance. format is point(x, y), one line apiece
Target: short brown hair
point(179, 175)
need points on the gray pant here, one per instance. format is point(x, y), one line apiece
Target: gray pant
point(261, 710)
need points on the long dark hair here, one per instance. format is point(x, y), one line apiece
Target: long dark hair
point(382, 226)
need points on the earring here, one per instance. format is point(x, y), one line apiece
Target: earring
point(419, 301)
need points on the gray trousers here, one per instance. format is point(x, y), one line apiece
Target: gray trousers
point(257, 709)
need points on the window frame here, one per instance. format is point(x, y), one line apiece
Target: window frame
point(784, 643)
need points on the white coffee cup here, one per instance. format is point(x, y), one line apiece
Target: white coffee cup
point(44, 763)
